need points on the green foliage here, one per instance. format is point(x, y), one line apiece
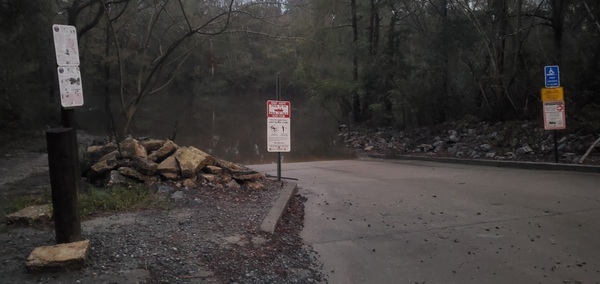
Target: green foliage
point(20, 202)
point(97, 200)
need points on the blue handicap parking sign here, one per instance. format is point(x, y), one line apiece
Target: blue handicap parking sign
point(552, 75)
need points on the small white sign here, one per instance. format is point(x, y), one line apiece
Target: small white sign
point(278, 137)
point(65, 45)
point(278, 126)
point(554, 115)
point(71, 89)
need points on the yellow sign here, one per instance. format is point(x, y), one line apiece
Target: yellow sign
point(553, 94)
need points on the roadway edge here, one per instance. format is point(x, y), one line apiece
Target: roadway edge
point(270, 222)
point(500, 164)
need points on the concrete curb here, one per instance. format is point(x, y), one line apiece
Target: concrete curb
point(270, 222)
point(500, 164)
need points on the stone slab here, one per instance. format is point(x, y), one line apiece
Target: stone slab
point(68, 256)
point(31, 214)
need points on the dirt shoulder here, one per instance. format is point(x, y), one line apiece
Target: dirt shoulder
point(209, 236)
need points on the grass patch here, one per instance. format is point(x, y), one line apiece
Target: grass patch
point(16, 203)
point(98, 200)
point(92, 201)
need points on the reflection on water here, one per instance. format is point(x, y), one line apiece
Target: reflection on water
point(236, 130)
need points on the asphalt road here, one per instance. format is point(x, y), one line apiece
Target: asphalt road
point(422, 222)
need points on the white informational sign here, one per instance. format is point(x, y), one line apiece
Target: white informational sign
point(278, 126)
point(65, 45)
point(554, 115)
point(69, 83)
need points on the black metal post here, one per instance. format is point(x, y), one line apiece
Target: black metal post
point(63, 162)
point(555, 146)
point(278, 97)
point(68, 117)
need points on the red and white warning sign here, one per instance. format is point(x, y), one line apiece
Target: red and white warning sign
point(278, 109)
point(554, 115)
point(278, 126)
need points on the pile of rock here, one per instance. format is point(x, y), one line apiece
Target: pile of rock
point(515, 140)
point(149, 161)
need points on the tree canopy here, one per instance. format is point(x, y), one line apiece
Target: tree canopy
point(163, 64)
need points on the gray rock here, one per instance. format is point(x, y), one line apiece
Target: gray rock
point(490, 155)
point(454, 138)
point(369, 148)
point(524, 150)
point(116, 178)
point(439, 144)
point(177, 195)
point(485, 147)
point(425, 147)
point(132, 148)
point(145, 166)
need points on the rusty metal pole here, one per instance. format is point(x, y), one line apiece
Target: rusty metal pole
point(63, 162)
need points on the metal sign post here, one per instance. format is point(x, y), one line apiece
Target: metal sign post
point(278, 126)
point(553, 104)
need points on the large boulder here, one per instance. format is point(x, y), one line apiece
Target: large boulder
point(92, 154)
point(163, 152)
point(107, 163)
point(152, 144)
point(132, 148)
point(67, 256)
point(145, 166)
point(230, 166)
point(132, 173)
point(169, 168)
point(191, 160)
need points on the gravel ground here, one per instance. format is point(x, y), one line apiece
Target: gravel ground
point(209, 236)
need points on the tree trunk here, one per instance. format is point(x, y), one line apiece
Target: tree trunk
point(374, 28)
point(356, 99)
point(557, 27)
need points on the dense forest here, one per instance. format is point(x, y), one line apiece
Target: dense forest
point(203, 69)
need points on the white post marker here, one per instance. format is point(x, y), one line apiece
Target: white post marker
point(554, 115)
point(67, 59)
point(278, 126)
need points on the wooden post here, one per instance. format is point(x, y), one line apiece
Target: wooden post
point(65, 179)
